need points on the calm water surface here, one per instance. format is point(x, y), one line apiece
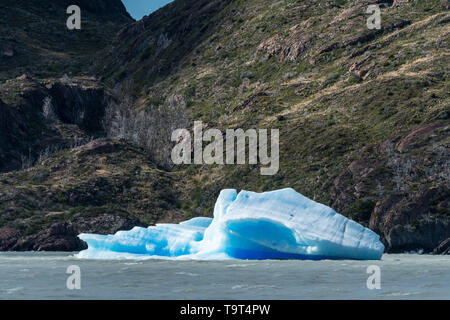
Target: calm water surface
point(43, 276)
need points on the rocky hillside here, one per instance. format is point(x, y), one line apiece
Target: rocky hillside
point(34, 38)
point(363, 118)
point(103, 186)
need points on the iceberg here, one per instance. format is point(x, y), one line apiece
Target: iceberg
point(280, 224)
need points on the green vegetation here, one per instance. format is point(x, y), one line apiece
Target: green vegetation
point(362, 114)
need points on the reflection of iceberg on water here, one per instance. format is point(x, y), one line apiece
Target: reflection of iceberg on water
point(280, 224)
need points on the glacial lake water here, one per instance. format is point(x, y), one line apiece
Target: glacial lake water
point(43, 276)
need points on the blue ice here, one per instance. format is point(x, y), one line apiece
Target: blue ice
point(280, 224)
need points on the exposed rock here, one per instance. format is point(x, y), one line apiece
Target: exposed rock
point(271, 47)
point(443, 248)
point(97, 147)
point(26, 132)
point(362, 167)
point(295, 46)
point(7, 51)
point(188, 15)
point(401, 238)
point(25, 77)
point(362, 74)
point(176, 101)
point(288, 48)
point(345, 15)
point(198, 60)
point(149, 128)
point(46, 48)
point(360, 38)
point(404, 225)
point(163, 41)
point(327, 47)
point(416, 136)
point(8, 237)
point(382, 211)
point(101, 6)
point(106, 224)
point(399, 2)
point(61, 236)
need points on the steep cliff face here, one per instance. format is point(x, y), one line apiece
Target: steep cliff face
point(44, 117)
point(152, 48)
point(44, 108)
point(102, 186)
point(363, 114)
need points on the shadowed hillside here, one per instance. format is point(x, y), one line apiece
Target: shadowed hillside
point(35, 33)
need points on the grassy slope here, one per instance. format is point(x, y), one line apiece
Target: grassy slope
point(337, 91)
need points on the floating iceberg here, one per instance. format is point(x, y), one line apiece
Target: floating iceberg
point(281, 224)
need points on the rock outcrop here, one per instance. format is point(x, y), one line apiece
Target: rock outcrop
point(28, 133)
point(7, 50)
point(34, 37)
point(59, 237)
point(443, 248)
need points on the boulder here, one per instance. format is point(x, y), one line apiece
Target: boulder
point(443, 248)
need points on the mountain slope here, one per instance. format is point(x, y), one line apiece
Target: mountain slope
point(36, 34)
point(103, 186)
point(363, 114)
point(363, 117)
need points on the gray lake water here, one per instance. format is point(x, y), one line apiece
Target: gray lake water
point(43, 276)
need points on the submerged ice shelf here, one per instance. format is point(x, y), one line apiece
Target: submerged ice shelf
point(280, 224)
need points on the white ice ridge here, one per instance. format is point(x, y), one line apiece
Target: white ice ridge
point(280, 224)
